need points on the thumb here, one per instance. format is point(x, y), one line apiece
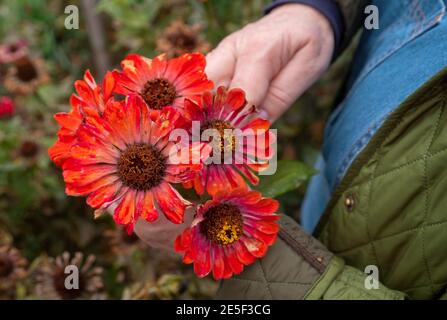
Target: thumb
point(220, 63)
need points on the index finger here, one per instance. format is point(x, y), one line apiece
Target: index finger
point(220, 64)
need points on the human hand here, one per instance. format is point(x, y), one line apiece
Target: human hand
point(275, 59)
point(161, 233)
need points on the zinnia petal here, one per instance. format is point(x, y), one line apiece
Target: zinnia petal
point(104, 195)
point(202, 264)
point(171, 202)
point(125, 211)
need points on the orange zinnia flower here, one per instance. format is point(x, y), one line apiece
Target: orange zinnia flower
point(249, 146)
point(90, 100)
point(122, 161)
point(163, 82)
point(229, 232)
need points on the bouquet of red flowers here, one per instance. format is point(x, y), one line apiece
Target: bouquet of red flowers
point(130, 143)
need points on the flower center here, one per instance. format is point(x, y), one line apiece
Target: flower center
point(6, 266)
point(141, 166)
point(158, 93)
point(227, 141)
point(183, 40)
point(222, 224)
point(28, 149)
point(26, 71)
point(13, 48)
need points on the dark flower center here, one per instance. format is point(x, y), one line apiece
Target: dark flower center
point(6, 266)
point(26, 71)
point(183, 40)
point(141, 166)
point(227, 140)
point(222, 224)
point(59, 279)
point(159, 93)
point(28, 149)
point(13, 48)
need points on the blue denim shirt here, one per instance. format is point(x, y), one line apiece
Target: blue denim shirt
point(409, 47)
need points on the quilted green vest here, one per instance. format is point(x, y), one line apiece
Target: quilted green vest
point(388, 216)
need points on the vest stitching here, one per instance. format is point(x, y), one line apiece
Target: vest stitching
point(414, 229)
point(411, 162)
point(426, 194)
point(266, 283)
point(431, 88)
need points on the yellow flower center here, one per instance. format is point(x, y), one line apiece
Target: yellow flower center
point(227, 142)
point(222, 224)
point(141, 166)
point(159, 93)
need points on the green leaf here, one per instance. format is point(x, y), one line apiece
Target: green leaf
point(289, 176)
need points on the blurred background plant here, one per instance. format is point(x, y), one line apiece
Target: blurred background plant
point(41, 229)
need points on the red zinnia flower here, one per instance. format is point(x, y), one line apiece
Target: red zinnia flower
point(250, 151)
point(162, 82)
point(6, 107)
point(229, 232)
point(122, 160)
point(90, 100)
